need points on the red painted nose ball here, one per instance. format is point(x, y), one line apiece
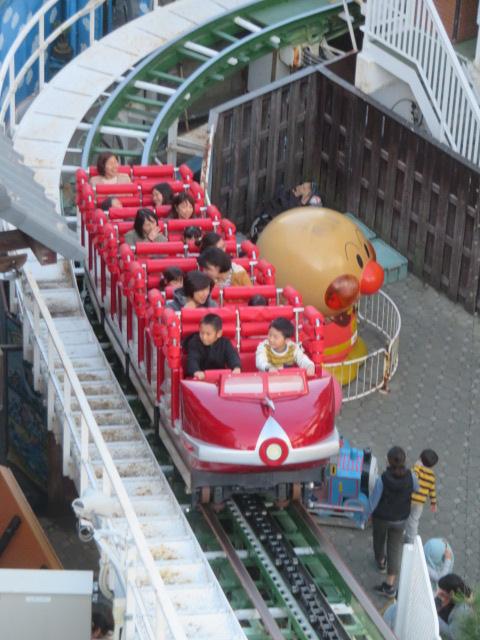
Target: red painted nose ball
point(342, 293)
point(372, 278)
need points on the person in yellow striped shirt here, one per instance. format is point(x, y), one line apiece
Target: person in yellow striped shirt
point(423, 469)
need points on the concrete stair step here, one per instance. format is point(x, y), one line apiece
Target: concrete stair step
point(111, 401)
point(166, 526)
point(122, 450)
point(131, 468)
point(109, 417)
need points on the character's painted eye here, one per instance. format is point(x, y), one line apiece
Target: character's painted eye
point(366, 250)
point(360, 261)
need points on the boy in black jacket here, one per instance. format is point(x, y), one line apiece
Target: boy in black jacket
point(208, 349)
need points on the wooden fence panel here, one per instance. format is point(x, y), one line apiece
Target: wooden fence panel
point(418, 196)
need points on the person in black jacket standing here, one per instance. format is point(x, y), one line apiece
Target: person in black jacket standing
point(208, 349)
point(390, 508)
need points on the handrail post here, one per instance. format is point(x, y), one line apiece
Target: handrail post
point(11, 82)
point(83, 453)
point(36, 349)
point(130, 604)
point(92, 26)
point(50, 389)
point(67, 439)
point(41, 46)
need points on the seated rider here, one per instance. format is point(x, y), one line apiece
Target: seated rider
point(279, 351)
point(208, 349)
point(195, 293)
point(219, 266)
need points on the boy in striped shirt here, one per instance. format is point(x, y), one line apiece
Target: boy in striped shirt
point(426, 479)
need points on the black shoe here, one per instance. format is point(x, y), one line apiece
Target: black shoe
point(385, 590)
point(381, 565)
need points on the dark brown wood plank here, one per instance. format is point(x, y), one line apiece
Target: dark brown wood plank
point(447, 171)
point(390, 180)
point(458, 234)
point(377, 118)
point(406, 207)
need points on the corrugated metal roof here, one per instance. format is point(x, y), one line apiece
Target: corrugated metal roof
point(23, 204)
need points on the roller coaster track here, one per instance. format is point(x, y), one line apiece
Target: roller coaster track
point(135, 120)
point(295, 581)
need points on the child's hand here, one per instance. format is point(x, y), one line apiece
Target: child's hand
point(433, 508)
point(236, 370)
point(448, 554)
point(310, 371)
point(199, 375)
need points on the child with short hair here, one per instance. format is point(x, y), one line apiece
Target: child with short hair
point(279, 350)
point(208, 349)
point(172, 277)
point(423, 470)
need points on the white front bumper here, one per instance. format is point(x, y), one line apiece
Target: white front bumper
point(221, 455)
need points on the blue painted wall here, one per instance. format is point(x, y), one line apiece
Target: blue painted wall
point(14, 14)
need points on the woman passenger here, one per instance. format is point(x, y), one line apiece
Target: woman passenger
point(194, 294)
point(183, 206)
point(107, 167)
point(212, 239)
point(162, 194)
point(145, 228)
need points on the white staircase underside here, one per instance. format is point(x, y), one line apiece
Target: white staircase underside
point(42, 138)
point(44, 133)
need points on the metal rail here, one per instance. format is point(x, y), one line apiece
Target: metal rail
point(242, 574)
point(315, 602)
point(165, 84)
point(324, 543)
point(294, 30)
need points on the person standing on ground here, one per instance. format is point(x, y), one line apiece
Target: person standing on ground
point(423, 469)
point(390, 508)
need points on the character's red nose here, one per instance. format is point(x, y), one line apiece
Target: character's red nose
point(372, 278)
point(342, 292)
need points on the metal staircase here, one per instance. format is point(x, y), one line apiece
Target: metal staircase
point(407, 38)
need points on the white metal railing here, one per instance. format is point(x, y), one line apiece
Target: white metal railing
point(51, 364)
point(413, 30)
point(374, 370)
point(466, 65)
point(37, 21)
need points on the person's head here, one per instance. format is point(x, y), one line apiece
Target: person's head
point(429, 458)
point(279, 331)
point(212, 239)
point(146, 221)
point(396, 461)
point(215, 263)
point(197, 287)
point(100, 625)
point(183, 205)
point(108, 203)
point(450, 587)
point(192, 233)
point(107, 164)
point(173, 277)
point(257, 301)
point(303, 189)
point(435, 550)
point(210, 329)
point(162, 194)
